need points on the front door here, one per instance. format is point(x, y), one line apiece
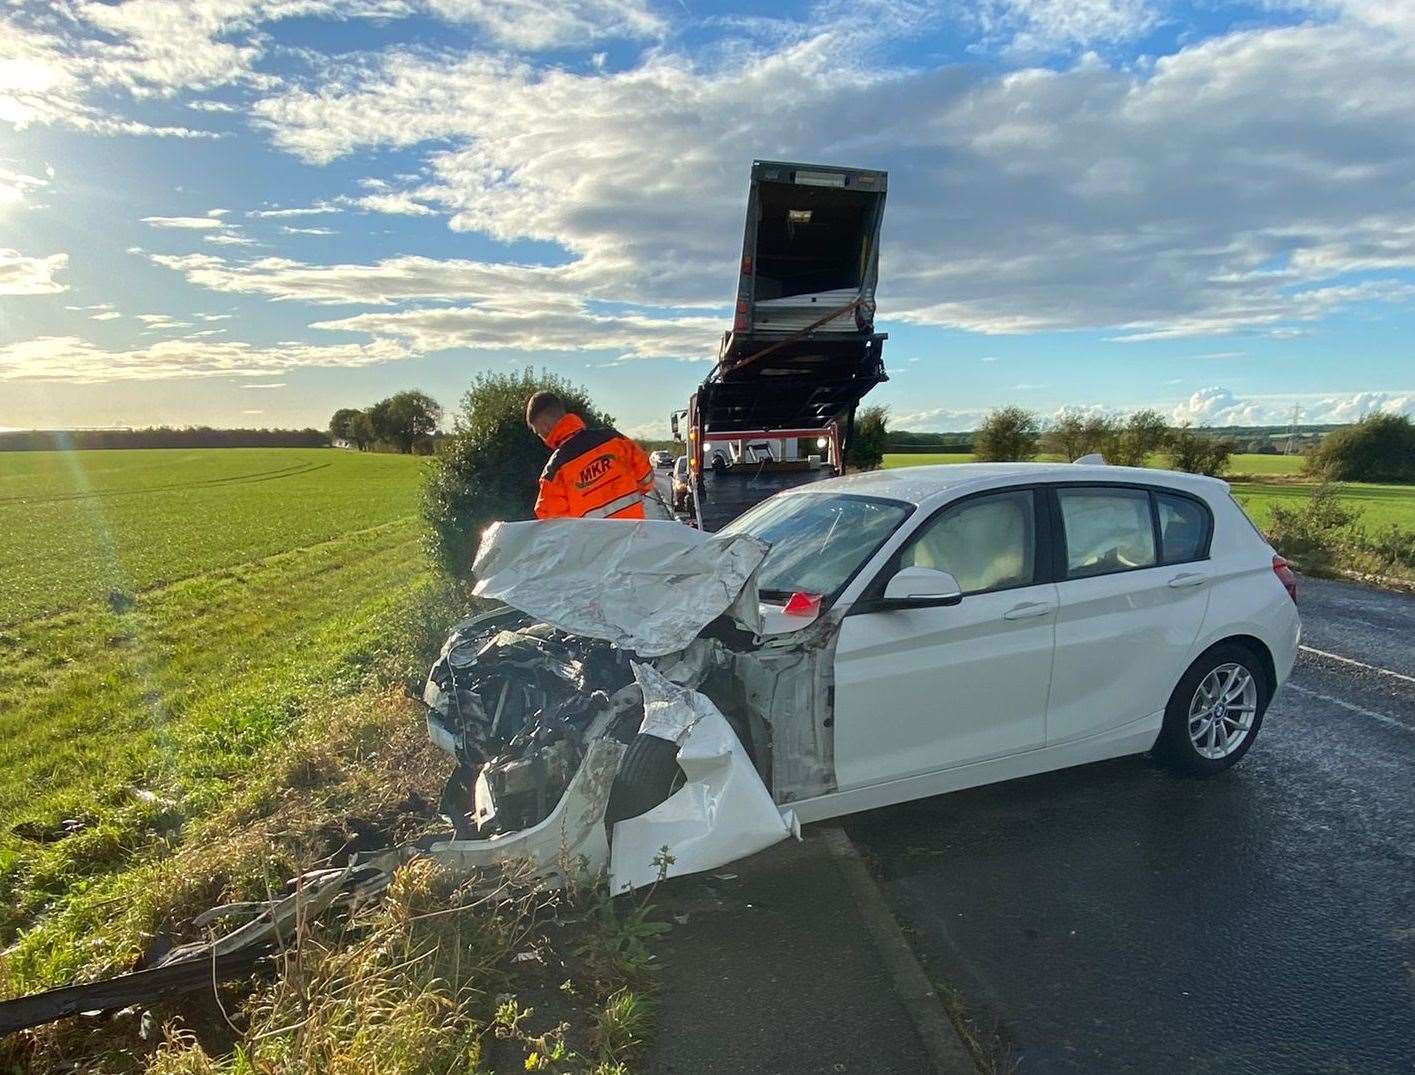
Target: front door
point(918, 690)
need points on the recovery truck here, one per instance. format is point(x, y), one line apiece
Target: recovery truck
point(802, 351)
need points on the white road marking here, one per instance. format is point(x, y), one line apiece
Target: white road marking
point(1354, 708)
point(1358, 664)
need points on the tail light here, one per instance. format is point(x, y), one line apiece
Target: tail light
point(802, 604)
point(740, 322)
point(1285, 576)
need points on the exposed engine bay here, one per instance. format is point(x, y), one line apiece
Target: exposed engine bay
point(517, 703)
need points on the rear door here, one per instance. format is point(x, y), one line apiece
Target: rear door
point(918, 690)
point(1133, 587)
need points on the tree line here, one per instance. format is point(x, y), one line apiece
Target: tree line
point(48, 440)
point(405, 421)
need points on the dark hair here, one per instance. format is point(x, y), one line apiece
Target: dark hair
point(543, 401)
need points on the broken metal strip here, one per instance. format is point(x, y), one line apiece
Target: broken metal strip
point(114, 993)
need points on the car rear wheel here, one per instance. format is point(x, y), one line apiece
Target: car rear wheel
point(1214, 714)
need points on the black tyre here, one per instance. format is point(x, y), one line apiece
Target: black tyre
point(648, 774)
point(1215, 712)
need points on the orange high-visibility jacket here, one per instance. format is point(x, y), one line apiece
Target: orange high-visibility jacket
point(592, 474)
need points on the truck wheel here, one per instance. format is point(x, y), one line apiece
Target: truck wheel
point(647, 775)
point(1214, 714)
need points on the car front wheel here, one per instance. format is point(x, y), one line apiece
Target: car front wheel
point(1214, 714)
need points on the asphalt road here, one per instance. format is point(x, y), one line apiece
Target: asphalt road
point(1117, 918)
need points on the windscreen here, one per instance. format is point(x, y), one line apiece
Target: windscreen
point(818, 541)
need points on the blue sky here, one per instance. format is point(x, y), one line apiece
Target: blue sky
point(256, 211)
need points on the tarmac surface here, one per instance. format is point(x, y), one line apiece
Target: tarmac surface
point(1118, 918)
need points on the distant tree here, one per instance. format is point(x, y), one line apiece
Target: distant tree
point(1196, 453)
point(341, 423)
point(380, 420)
point(1007, 434)
point(487, 469)
point(405, 418)
point(360, 430)
point(866, 448)
point(1139, 435)
point(1074, 433)
point(1379, 448)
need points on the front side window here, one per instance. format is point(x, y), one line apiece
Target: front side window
point(1107, 530)
point(987, 543)
point(818, 541)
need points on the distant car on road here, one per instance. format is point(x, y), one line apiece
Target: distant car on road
point(661, 460)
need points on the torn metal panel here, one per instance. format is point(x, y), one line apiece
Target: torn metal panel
point(570, 840)
point(648, 585)
point(722, 812)
point(789, 688)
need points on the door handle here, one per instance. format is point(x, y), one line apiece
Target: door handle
point(1027, 611)
point(1179, 582)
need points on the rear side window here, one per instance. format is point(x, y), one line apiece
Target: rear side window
point(1184, 528)
point(1107, 530)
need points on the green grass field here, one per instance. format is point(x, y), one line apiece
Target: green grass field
point(170, 615)
point(77, 525)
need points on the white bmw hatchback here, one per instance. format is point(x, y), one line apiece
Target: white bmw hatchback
point(851, 644)
point(1001, 620)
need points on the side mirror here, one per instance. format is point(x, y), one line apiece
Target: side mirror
point(922, 586)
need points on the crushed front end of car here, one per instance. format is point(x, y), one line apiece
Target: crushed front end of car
point(609, 631)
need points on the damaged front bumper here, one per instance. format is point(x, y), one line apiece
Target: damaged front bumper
point(612, 630)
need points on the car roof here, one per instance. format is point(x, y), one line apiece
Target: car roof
point(925, 483)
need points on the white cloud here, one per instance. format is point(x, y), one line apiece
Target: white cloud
point(24, 275)
point(68, 358)
point(15, 187)
point(938, 420)
point(534, 25)
point(308, 231)
point(544, 325)
point(381, 283)
point(401, 203)
point(301, 210)
point(109, 315)
point(193, 223)
point(1027, 26)
point(1219, 406)
point(1225, 188)
point(229, 238)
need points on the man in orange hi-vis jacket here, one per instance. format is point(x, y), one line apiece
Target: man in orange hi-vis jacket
point(591, 473)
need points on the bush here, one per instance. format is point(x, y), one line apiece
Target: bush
point(866, 448)
point(1075, 434)
point(1323, 536)
point(1197, 454)
point(1142, 433)
point(1379, 448)
point(487, 469)
point(1312, 534)
point(1008, 434)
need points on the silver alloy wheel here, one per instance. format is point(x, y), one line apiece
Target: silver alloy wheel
point(1222, 711)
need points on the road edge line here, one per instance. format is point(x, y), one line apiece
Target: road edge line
point(946, 1051)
